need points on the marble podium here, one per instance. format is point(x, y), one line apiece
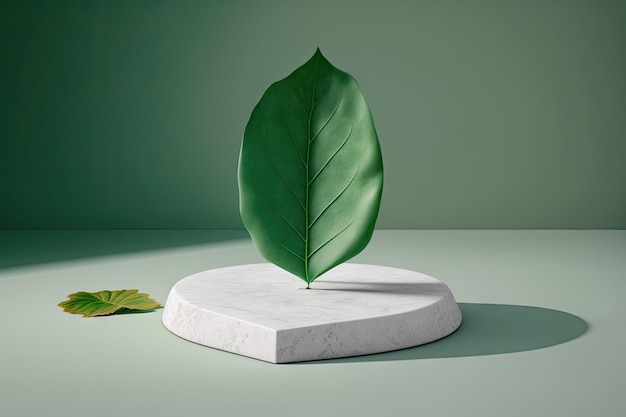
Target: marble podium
point(263, 312)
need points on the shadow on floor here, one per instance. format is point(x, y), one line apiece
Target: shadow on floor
point(490, 329)
point(29, 247)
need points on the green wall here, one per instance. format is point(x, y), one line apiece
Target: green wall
point(491, 114)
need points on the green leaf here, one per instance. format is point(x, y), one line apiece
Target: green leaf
point(102, 303)
point(310, 171)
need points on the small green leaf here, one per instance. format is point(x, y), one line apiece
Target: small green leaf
point(102, 303)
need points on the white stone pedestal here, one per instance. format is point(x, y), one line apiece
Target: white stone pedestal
point(263, 312)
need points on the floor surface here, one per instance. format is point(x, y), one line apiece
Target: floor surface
point(543, 331)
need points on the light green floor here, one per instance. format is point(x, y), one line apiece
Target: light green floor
point(543, 333)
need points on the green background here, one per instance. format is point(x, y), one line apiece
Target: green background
point(490, 114)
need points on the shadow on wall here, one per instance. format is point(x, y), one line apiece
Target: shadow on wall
point(490, 329)
point(29, 247)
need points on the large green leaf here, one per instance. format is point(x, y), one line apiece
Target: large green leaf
point(310, 171)
point(102, 303)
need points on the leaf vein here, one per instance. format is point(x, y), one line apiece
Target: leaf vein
point(329, 118)
point(306, 115)
point(293, 141)
point(285, 181)
point(331, 157)
point(286, 248)
point(336, 197)
point(285, 219)
point(333, 237)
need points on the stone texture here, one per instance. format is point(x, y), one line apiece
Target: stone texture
point(263, 312)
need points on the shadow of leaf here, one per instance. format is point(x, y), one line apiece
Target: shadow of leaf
point(490, 329)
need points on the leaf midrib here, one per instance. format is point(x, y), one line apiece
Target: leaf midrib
point(308, 156)
point(309, 251)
